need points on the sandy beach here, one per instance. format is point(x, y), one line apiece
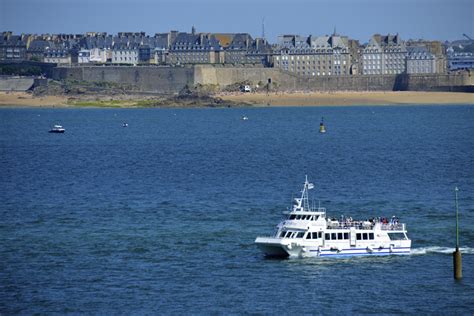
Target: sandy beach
point(27, 99)
point(350, 98)
point(274, 99)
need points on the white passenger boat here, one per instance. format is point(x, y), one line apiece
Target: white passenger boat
point(307, 232)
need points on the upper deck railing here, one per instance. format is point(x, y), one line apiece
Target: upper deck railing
point(364, 225)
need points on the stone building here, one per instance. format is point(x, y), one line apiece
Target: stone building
point(355, 51)
point(99, 46)
point(384, 55)
point(159, 48)
point(125, 53)
point(241, 48)
point(291, 53)
point(194, 48)
point(333, 56)
point(37, 49)
point(235, 50)
point(153, 50)
point(84, 56)
point(58, 55)
point(259, 53)
point(419, 60)
point(435, 48)
point(14, 47)
point(316, 56)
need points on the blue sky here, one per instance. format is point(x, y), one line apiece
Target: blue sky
point(359, 19)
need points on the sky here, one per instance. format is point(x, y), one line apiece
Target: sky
point(358, 19)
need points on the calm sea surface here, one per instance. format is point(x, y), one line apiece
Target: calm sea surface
point(160, 217)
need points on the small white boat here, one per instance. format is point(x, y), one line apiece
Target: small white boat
point(57, 129)
point(125, 125)
point(307, 232)
point(245, 118)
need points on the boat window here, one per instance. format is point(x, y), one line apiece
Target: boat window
point(282, 234)
point(346, 235)
point(315, 235)
point(292, 216)
point(288, 234)
point(397, 236)
point(298, 216)
point(339, 235)
point(371, 236)
point(308, 236)
point(316, 217)
point(333, 236)
point(320, 235)
point(327, 236)
point(300, 235)
point(365, 236)
point(359, 236)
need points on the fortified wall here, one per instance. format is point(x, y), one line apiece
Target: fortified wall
point(11, 83)
point(285, 81)
point(174, 79)
point(145, 79)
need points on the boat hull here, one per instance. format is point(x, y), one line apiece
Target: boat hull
point(57, 131)
point(272, 248)
point(280, 247)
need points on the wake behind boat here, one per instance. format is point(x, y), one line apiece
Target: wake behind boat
point(307, 232)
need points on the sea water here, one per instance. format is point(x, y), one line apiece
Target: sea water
point(161, 216)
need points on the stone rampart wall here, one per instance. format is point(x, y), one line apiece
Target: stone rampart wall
point(15, 83)
point(438, 81)
point(173, 79)
point(146, 79)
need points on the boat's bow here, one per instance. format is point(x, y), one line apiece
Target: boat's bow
point(273, 247)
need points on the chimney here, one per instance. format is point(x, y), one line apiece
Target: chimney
point(377, 38)
point(171, 37)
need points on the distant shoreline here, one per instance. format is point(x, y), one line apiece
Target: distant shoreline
point(341, 98)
